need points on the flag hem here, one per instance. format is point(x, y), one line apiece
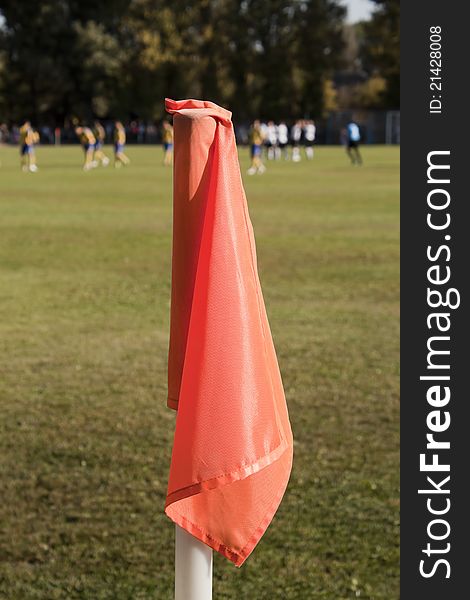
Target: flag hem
point(237, 557)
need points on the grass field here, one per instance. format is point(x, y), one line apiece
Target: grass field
point(85, 435)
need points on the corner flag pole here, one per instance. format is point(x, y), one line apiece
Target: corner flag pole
point(193, 567)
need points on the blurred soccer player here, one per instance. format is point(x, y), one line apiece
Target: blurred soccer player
point(309, 138)
point(256, 146)
point(167, 138)
point(119, 142)
point(264, 132)
point(28, 137)
point(296, 135)
point(271, 140)
point(283, 139)
point(88, 141)
point(353, 137)
point(100, 136)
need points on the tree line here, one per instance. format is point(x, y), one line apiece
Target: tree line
point(65, 59)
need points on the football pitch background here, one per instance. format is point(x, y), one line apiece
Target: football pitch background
point(85, 434)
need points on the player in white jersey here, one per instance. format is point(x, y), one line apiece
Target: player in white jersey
point(283, 139)
point(271, 140)
point(309, 138)
point(296, 136)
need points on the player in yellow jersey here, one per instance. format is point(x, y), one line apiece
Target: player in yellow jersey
point(100, 136)
point(256, 147)
point(167, 138)
point(28, 137)
point(88, 141)
point(119, 142)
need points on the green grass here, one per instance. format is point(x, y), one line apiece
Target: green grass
point(85, 436)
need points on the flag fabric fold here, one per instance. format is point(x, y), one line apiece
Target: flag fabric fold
point(232, 450)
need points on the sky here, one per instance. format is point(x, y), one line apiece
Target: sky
point(358, 10)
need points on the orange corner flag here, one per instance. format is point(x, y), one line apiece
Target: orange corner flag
point(232, 451)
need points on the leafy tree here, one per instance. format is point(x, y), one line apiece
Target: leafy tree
point(58, 61)
point(319, 50)
point(381, 49)
point(268, 58)
point(279, 54)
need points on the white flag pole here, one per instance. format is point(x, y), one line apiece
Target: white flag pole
point(193, 567)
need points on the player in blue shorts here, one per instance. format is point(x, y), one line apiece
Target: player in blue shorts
point(256, 147)
point(119, 142)
point(87, 141)
point(167, 138)
point(28, 137)
point(100, 136)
